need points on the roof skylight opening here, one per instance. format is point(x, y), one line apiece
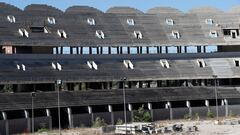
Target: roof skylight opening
point(164, 63)
point(92, 65)
point(201, 63)
point(23, 32)
point(128, 64)
point(51, 20)
point(213, 34)
point(56, 66)
point(176, 34)
point(209, 21)
point(91, 21)
point(21, 67)
point(100, 34)
point(11, 18)
point(130, 22)
point(62, 33)
point(169, 21)
point(138, 34)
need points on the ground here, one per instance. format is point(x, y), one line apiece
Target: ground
point(205, 127)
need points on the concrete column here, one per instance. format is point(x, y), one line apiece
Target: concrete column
point(138, 50)
point(151, 110)
point(57, 52)
point(26, 115)
point(49, 115)
point(128, 50)
point(207, 104)
point(166, 50)
point(131, 111)
point(141, 50)
point(121, 50)
point(81, 50)
point(185, 49)
point(109, 50)
point(90, 112)
point(4, 115)
point(158, 49)
point(61, 50)
point(188, 104)
point(101, 50)
point(225, 101)
point(118, 51)
point(71, 50)
point(169, 106)
point(97, 50)
point(69, 111)
point(111, 111)
point(108, 85)
point(204, 49)
point(147, 50)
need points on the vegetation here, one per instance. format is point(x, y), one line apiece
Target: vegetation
point(7, 88)
point(141, 115)
point(210, 114)
point(119, 122)
point(187, 116)
point(40, 130)
point(99, 122)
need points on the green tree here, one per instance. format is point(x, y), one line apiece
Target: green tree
point(99, 122)
point(141, 115)
point(7, 88)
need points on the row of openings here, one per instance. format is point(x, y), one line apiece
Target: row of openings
point(134, 50)
point(81, 86)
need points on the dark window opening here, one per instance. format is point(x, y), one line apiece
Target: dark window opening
point(236, 63)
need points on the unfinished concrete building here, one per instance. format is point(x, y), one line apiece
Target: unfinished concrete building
point(171, 62)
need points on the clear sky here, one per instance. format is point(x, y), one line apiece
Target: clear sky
point(143, 5)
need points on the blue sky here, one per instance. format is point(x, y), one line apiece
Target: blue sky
point(143, 5)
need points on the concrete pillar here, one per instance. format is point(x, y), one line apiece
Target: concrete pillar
point(169, 106)
point(71, 50)
point(90, 112)
point(26, 115)
point(141, 50)
point(226, 107)
point(151, 110)
point(101, 50)
point(118, 50)
point(147, 50)
point(111, 112)
point(49, 115)
point(121, 50)
point(207, 104)
point(159, 49)
point(185, 49)
point(81, 50)
point(108, 85)
point(128, 50)
point(69, 111)
point(204, 49)
point(4, 115)
point(166, 50)
point(130, 108)
point(109, 50)
point(188, 104)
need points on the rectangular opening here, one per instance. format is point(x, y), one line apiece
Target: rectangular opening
point(164, 63)
point(201, 63)
point(236, 63)
point(128, 64)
